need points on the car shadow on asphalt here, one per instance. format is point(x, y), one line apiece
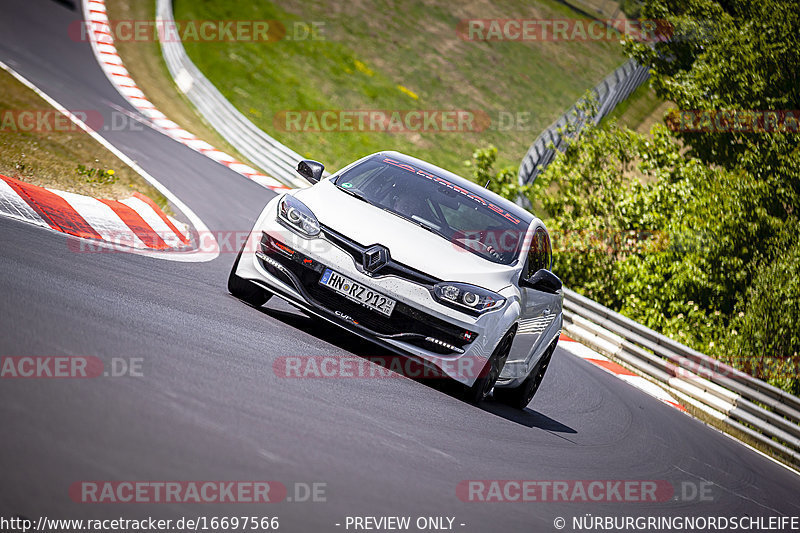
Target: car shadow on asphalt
point(363, 348)
point(69, 4)
point(527, 417)
point(326, 332)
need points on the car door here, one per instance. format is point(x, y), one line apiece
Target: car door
point(539, 309)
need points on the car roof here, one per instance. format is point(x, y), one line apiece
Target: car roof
point(464, 183)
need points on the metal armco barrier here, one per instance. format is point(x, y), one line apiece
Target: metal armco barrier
point(741, 402)
point(270, 155)
point(616, 87)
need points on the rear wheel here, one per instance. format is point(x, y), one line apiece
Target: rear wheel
point(485, 382)
point(246, 290)
point(520, 396)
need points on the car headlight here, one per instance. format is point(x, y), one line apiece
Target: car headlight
point(465, 297)
point(297, 216)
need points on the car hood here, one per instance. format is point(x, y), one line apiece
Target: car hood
point(407, 243)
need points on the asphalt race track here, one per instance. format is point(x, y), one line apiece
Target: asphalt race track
point(209, 406)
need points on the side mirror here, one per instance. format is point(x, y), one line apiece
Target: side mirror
point(543, 280)
point(310, 170)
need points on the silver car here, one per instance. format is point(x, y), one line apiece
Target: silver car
point(418, 260)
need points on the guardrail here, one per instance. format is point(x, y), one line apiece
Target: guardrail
point(616, 87)
point(263, 150)
point(739, 401)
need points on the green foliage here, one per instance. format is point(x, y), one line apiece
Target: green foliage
point(368, 50)
point(695, 233)
point(739, 55)
point(631, 8)
point(504, 182)
point(765, 337)
point(583, 200)
point(96, 175)
point(663, 237)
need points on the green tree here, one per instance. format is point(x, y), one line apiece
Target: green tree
point(764, 333)
point(503, 182)
point(694, 232)
point(736, 55)
point(664, 238)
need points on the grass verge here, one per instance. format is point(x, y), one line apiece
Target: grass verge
point(399, 56)
point(641, 110)
point(57, 154)
point(146, 66)
point(377, 57)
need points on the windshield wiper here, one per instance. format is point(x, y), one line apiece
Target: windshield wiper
point(424, 226)
point(355, 193)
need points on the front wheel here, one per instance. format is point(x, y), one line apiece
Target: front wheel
point(246, 290)
point(485, 382)
point(520, 396)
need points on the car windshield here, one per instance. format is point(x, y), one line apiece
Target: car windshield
point(463, 217)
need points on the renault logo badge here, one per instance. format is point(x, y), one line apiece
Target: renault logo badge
point(374, 258)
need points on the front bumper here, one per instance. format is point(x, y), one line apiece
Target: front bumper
point(291, 266)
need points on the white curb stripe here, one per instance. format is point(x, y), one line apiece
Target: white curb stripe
point(154, 221)
point(12, 205)
point(210, 249)
point(587, 354)
point(102, 219)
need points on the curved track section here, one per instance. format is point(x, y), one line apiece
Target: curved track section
point(209, 406)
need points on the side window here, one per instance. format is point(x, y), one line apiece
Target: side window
point(540, 254)
point(548, 251)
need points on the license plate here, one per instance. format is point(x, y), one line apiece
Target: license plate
point(357, 292)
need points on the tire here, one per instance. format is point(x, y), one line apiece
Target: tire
point(519, 397)
point(245, 290)
point(489, 374)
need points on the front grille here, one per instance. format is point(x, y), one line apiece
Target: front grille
point(405, 320)
point(391, 268)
